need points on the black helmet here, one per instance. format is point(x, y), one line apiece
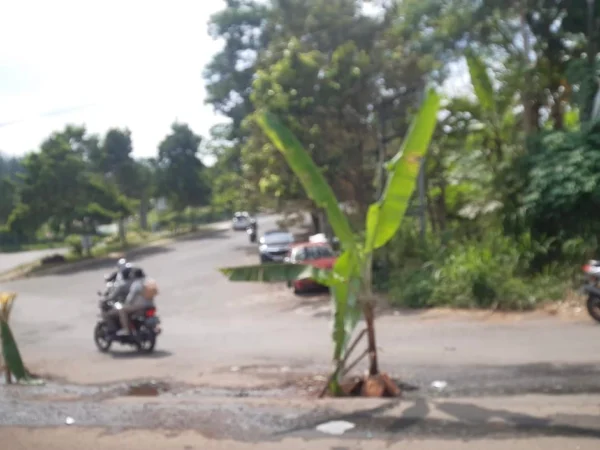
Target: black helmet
point(137, 273)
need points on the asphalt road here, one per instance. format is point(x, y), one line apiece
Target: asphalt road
point(9, 261)
point(235, 340)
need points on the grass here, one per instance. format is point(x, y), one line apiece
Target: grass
point(14, 248)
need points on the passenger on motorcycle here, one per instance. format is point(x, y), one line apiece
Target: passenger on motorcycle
point(141, 293)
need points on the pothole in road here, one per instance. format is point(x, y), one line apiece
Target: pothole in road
point(149, 389)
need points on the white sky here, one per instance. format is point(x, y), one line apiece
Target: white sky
point(104, 64)
point(107, 64)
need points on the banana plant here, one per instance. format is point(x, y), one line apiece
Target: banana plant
point(10, 352)
point(350, 278)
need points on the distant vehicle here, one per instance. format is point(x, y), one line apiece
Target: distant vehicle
point(274, 246)
point(592, 288)
point(317, 254)
point(252, 230)
point(241, 220)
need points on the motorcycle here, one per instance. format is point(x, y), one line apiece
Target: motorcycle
point(144, 327)
point(251, 232)
point(592, 288)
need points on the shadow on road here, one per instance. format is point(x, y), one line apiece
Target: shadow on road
point(157, 354)
point(315, 303)
point(203, 234)
point(474, 421)
point(469, 421)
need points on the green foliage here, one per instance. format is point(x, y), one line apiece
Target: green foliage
point(74, 243)
point(350, 278)
point(491, 272)
point(181, 173)
point(561, 188)
point(10, 350)
point(323, 68)
point(385, 217)
point(311, 178)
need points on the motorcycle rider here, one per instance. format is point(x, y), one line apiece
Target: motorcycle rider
point(141, 292)
point(121, 265)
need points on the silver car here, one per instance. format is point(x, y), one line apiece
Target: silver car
point(241, 221)
point(274, 246)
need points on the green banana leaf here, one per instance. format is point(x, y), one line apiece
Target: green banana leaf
point(309, 175)
point(269, 273)
point(482, 84)
point(10, 351)
point(385, 217)
point(344, 294)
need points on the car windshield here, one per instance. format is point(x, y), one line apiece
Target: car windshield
point(314, 252)
point(278, 239)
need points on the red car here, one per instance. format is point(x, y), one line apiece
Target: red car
point(316, 254)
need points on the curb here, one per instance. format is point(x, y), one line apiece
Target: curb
point(92, 262)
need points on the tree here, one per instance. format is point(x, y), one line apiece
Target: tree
point(326, 68)
point(9, 170)
point(350, 279)
point(8, 199)
point(182, 174)
point(57, 187)
point(117, 165)
point(52, 184)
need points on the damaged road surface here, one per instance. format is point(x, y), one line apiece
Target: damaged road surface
point(239, 366)
point(105, 417)
point(278, 414)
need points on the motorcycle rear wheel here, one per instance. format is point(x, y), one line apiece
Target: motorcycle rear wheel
point(147, 344)
point(593, 307)
point(101, 337)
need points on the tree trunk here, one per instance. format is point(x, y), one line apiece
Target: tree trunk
point(557, 114)
point(144, 213)
point(441, 212)
point(122, 233)
point(315, 221)
point(432, 216)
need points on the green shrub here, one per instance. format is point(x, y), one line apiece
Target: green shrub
point(73, 241)
point(493, 272)
point(413, 288)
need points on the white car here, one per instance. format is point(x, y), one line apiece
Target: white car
point(240, 221)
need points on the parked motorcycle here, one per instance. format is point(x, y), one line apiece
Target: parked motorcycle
point(144, 327)
point(592, 288)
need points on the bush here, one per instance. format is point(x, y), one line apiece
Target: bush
point(73, 241)
point(493, 272)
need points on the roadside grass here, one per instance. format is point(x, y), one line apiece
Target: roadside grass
point(109, 246)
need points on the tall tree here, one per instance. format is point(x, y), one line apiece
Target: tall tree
point(336, 76)
point(57, 187)
point(182, 174)
point(52, 183)
point(119, 167)
point(9, 170)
